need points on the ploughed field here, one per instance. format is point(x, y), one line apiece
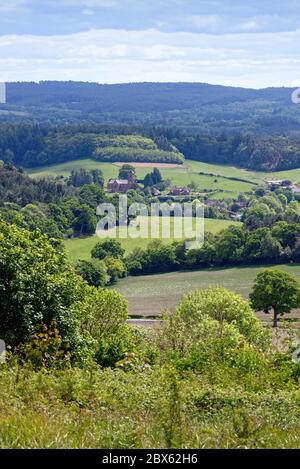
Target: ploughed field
point(149, 295)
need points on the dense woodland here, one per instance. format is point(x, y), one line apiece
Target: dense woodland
point(31, 145)
point(194, 108)
point(58, 209)
point(35, 145)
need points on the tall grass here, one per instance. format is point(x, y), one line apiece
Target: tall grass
point(153, 409)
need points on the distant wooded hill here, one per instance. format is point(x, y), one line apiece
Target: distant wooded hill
point(135, 97)
point(192, 108)
point(52, 121)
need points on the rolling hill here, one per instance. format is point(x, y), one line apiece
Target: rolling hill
point(135, 97)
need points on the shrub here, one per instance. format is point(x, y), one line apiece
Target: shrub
point(94, 272)
point(109, 247)
point(226, 308)
point(46, 348)
point(106, 312)
point(115, 268)
point(38, 286)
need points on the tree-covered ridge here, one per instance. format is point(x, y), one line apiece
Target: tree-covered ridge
point(193, 108)
point(31, 145)
point(133, 97)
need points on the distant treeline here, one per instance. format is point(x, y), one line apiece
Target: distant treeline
point(263, 153)
point(233, 246)
point(134, 97)
point(191, 108)
point(31, 145)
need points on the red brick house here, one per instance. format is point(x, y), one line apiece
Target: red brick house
point(122, 185)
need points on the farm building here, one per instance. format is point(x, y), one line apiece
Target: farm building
point(180, 191)
point(273, 184)
point(122, 185)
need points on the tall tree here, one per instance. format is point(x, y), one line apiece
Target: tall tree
point(277, 291)
point(124, 170)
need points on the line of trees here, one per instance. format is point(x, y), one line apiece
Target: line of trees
point(32, 145)
point(233, 246)
point(258, 152)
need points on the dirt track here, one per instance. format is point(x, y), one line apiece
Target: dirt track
point(153, 165)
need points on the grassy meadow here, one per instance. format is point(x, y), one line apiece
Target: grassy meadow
point(180, 175)
point(216, 177)
point(80, 248)
point(150, 294)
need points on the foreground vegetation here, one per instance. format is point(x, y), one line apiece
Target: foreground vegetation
point(77, 375)
point(161, 408)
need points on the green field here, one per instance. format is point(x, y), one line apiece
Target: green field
point(226, 171)
point(149, 295)
point(80, 248)
point(182, 175)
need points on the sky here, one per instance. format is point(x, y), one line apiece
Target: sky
point(252, 43)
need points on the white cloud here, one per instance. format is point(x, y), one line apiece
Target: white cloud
point(88, 12)
point(108, 55)
point(11, 6)
point(204, 21)
point(250, 25)
point(96, 3)
point(262, 23)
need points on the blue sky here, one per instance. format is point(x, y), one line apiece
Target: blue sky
point(253, 43)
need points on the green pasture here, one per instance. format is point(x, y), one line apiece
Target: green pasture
point(214, 177)
point(80, 248)
point(182, 175)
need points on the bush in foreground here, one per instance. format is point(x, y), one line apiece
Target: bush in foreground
point(224, 306)
point(37, 286)
point(46, 308)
